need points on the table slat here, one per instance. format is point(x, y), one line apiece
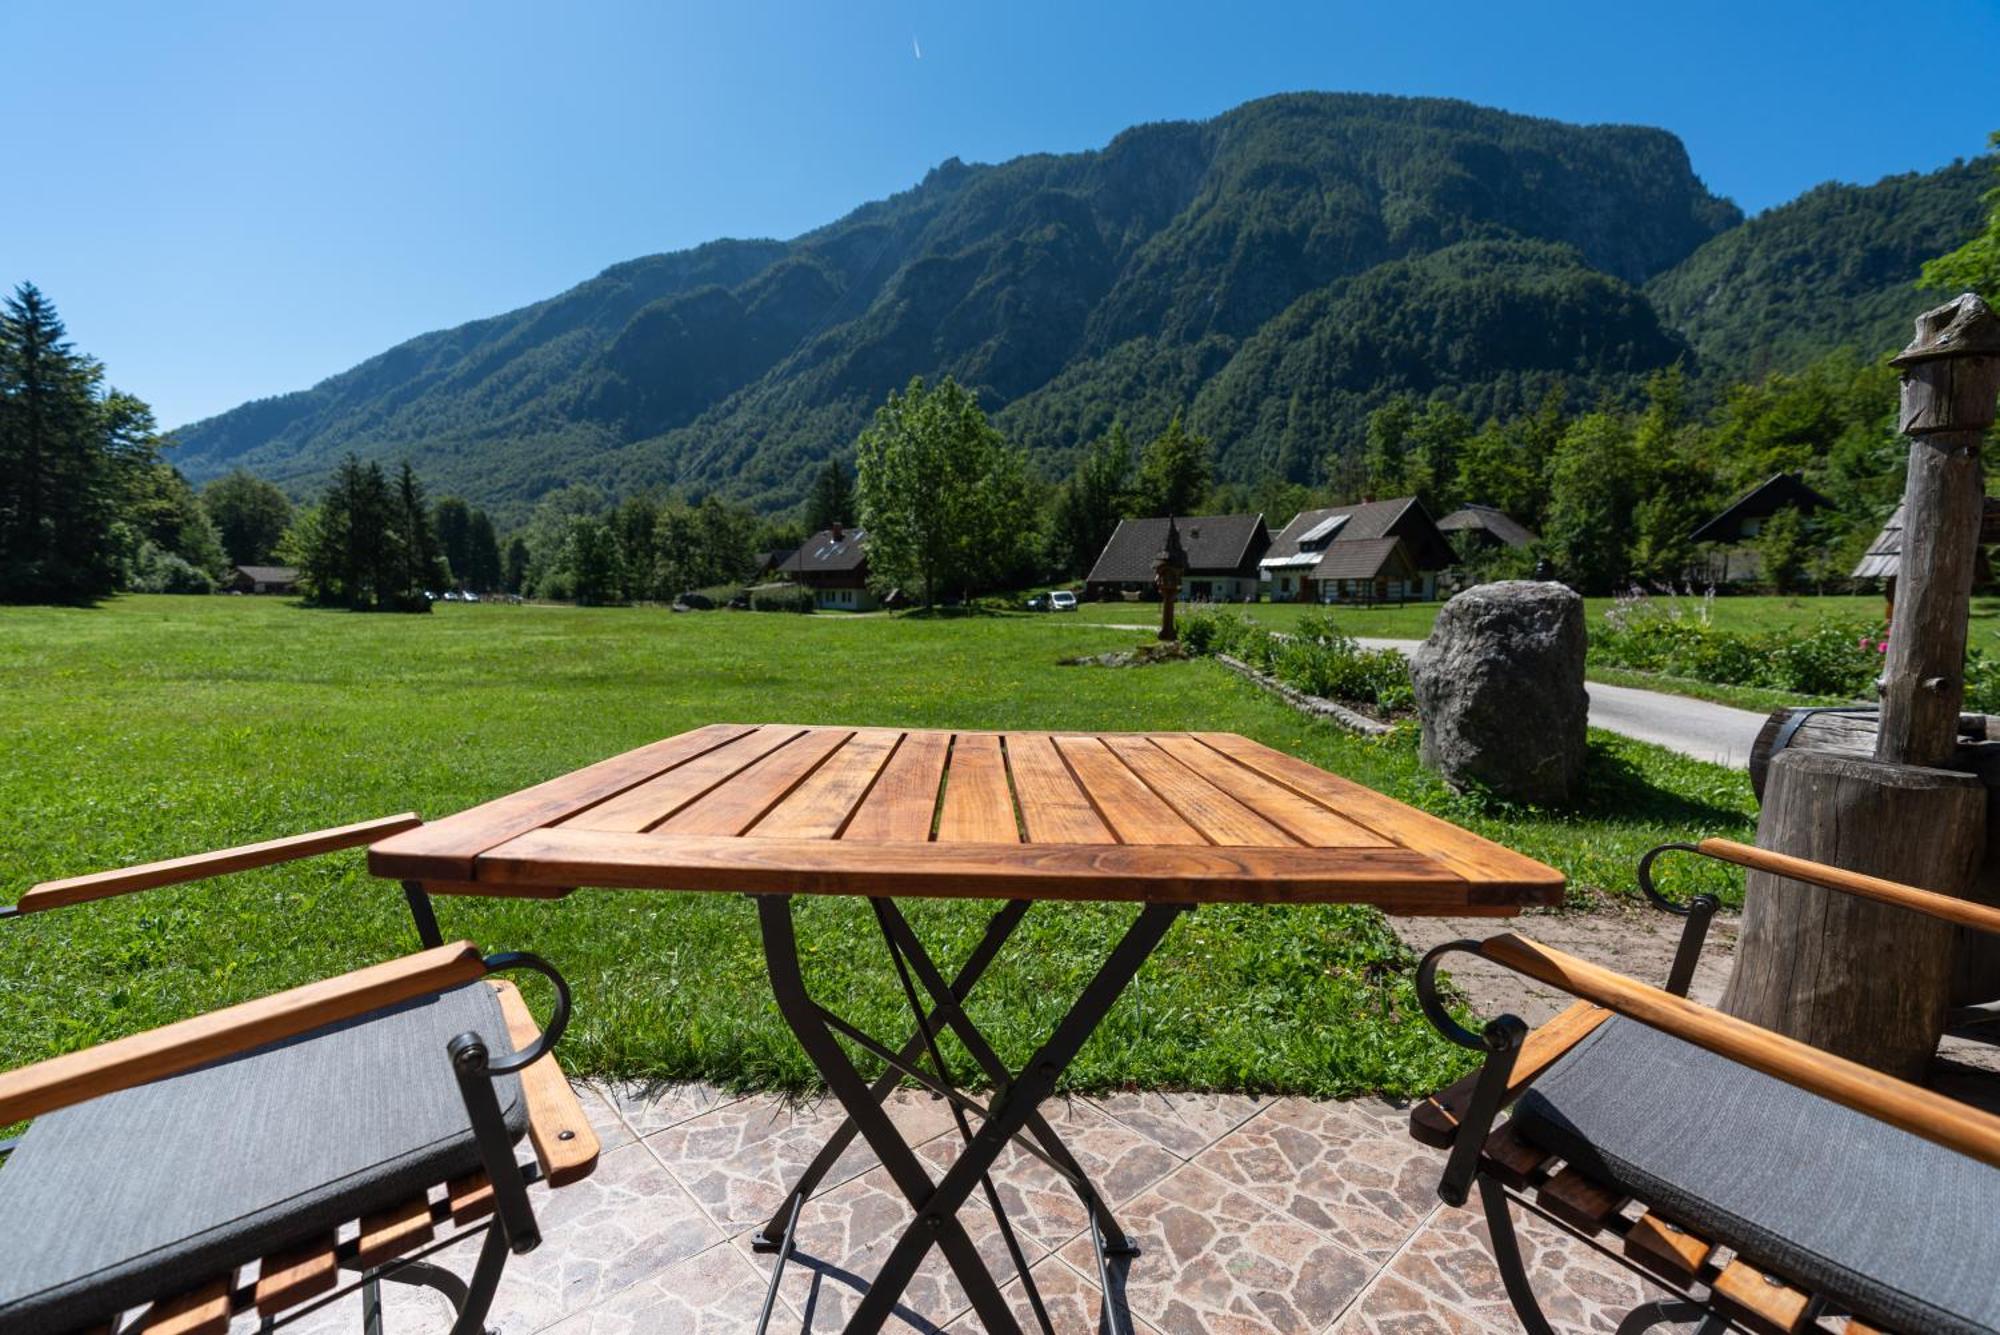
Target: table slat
point(737, 805)
point(1135, 813)
point(1053, 808)
point(1477, 859)
point(444, 849)
point(817, 808)
point(1220, 817)
point(654, 801)
point(1304, 819)
point(978, 804)
point(903, 803)
point(1396, 879)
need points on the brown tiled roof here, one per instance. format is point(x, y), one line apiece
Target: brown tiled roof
point(1777, 492)
point(824, 554)
point(1364, 558)
point(1488, 520)
point(1368, 521)
point(1216, 545)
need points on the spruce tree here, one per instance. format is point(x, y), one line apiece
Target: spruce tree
point(832, 498)
point(483, 553)
point(56, 475)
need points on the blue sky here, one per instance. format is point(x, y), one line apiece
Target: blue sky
point(233, 200)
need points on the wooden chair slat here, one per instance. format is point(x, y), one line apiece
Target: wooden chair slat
point(1305, 820)
point(1434, 1121)
point(820, 806)
point(1135, 813)
point(1578, 1201)
point(643, 807)
point(1764, 1301)
point(1856, 1326)
point(202, 1311)
point(565, 1146)
point(1666, 1248)
point(470, 1197)
point(1510, 1158)
point(1053, 808)
point(389, 1234)
point(1220, 817)
point(978, 804)
point(744, 800)
point(902, 805)
point(290, 1277)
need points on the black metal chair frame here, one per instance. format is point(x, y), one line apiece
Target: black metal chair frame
point(511, 1228)
point(1010, 1115)
point(1500, 1040)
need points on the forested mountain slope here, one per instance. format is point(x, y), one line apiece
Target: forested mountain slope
point(1068, 286)
point(1276, 272)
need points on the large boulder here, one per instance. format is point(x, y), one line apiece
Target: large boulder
point(1499, 687)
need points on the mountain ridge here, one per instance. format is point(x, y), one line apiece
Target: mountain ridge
point(1189, 265)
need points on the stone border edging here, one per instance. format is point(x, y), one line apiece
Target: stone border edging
point(1319, 706)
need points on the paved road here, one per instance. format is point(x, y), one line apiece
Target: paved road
point(1711, 732)
point(1715, 733)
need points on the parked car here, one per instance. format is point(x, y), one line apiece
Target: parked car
point(1062, 600)
point(471, 597)
point(451, 595)
point(700, 602)
point(1039, 603)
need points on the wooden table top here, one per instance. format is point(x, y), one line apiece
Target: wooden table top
point(779, 808)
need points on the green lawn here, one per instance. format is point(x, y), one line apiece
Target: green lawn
point(157, 726)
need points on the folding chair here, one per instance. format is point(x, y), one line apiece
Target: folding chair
point(240, 1161)
point(1763, 1183)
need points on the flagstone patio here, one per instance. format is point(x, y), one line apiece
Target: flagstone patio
point(1253, 1215)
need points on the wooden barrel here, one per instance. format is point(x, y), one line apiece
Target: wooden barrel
point(1847, 730)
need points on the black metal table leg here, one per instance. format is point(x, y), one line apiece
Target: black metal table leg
point(939, 1227)
point(998, 928)
point(937, 1209)
point(1114, 1241)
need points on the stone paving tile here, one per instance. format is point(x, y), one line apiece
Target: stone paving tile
point(1072, 1302)
point(740, 1159)
point(717, 1292)
point(627, 1222)
point(647, 1106)
point(1216, 1259)
point(1185, 1123)
point(1330, 1166)
point(1042, 1204)
point(1393, 1307)
point(603, 1116)
point(1579, 1290)
point(846, 1234)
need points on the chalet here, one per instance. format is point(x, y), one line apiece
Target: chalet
point(1884, 557)
point(833, 563)
point(1372, 551)
point(1483, 526)
point(263, 579)
point(1731, 535)
point(770, 563)
point(1222, 555)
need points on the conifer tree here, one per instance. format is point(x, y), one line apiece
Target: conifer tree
point(832, 498)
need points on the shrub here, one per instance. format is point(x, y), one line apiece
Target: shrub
point(790, 598)
point(1838, 658)
point(156, 570)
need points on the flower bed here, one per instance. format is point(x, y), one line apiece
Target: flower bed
point(1314, 658)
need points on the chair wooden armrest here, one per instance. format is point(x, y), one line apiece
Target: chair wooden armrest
point(1964, 912)
point(196, 866)
point(1910, 1108)
point(171, 1049)
point(1435, 1121)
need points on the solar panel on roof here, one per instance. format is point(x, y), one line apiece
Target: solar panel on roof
point(1324, 529)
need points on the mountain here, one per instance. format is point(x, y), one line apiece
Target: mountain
point(1831, 269)
point(1182, 264)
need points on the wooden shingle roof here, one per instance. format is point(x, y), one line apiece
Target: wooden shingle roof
point(1484, 518)
point(1216, 545)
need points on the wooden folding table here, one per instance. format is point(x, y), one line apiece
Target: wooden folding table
point(1166, 820)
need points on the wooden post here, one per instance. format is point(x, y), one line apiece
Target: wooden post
point(1857, 978)
point(1865, 980)
point(1951, 374)
point(1168, 566)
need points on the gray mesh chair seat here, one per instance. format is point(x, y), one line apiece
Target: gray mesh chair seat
point(1904, 1230)
point(113, 1202)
